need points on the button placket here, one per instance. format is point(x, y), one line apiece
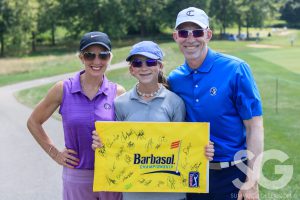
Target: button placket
point(196, 86)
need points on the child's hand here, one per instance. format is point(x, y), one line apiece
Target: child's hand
point(210, 151)
point(96, 141)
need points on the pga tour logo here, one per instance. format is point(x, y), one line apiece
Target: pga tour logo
point(194, 179)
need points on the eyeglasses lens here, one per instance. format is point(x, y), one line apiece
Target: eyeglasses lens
point(139, 63)
point(104, 55)
point(196, 33)
point(91, 55)
point(151, 62)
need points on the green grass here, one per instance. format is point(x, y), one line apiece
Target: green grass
point(287, 57)
point(281, 120)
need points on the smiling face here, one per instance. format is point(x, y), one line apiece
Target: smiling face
point(193, 48)
point(145, 74)
point(94, 66)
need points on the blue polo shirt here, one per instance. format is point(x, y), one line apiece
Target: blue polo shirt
point(221, 91)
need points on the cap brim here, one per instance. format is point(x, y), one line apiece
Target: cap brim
point(101, 43)
point(202, 25)
point(146, 54)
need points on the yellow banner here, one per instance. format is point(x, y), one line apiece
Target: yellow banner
point(152, 157)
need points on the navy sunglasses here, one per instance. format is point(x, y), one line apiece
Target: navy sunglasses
point(139, 63)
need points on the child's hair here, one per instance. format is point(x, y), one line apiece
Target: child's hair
point(162, 79)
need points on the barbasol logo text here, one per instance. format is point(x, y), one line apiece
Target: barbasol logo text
point(138, 159)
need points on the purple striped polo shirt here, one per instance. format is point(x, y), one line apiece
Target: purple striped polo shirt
point(79, 114)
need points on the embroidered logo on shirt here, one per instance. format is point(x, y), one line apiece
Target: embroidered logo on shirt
point(213, 91)
point(107, 106)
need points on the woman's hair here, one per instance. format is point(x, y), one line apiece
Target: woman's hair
point(110, 58)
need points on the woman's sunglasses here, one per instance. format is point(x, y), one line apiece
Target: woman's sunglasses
point(139, 63)
point(196, 33)
point(104, 55)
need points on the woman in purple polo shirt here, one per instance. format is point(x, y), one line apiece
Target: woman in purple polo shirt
point(82, 100)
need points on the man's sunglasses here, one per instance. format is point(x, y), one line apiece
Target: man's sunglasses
point(104, 55)
point(139, 63)
point(196, 33)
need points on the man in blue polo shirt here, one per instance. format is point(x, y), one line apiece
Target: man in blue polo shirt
point(220, 89)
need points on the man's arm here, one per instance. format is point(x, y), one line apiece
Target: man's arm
point(255, 144)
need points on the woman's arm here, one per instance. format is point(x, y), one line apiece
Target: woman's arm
point(42, 113)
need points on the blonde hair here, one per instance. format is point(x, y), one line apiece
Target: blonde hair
point(110, 58)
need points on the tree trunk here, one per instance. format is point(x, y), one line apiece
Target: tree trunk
point(224, 13)
point(33, 42)
point(53, 34)
point(239, 27)
point(2, 44)
point(143, 28)
point(221, 34)
point(247, 25)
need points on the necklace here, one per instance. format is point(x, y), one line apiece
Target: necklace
point(91, 89)
point(152, 94)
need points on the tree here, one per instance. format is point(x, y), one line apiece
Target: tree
point(80, 16)
point(29, 11)
point(114, 18)
point(291, 12)
point(6, 21)
point(48, 17)
point(144, 16)
point(253, 13)
point(223, 12)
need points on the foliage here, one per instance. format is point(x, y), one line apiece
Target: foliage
point(48, 17)
point(223, 11)
point(24, 23)
point(249, 13)
point(291, 12)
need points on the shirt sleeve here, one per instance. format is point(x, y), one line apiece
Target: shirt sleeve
point(247, 98)
point(179, 111)
point(118, 111)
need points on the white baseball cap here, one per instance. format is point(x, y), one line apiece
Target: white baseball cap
point(194, 15)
